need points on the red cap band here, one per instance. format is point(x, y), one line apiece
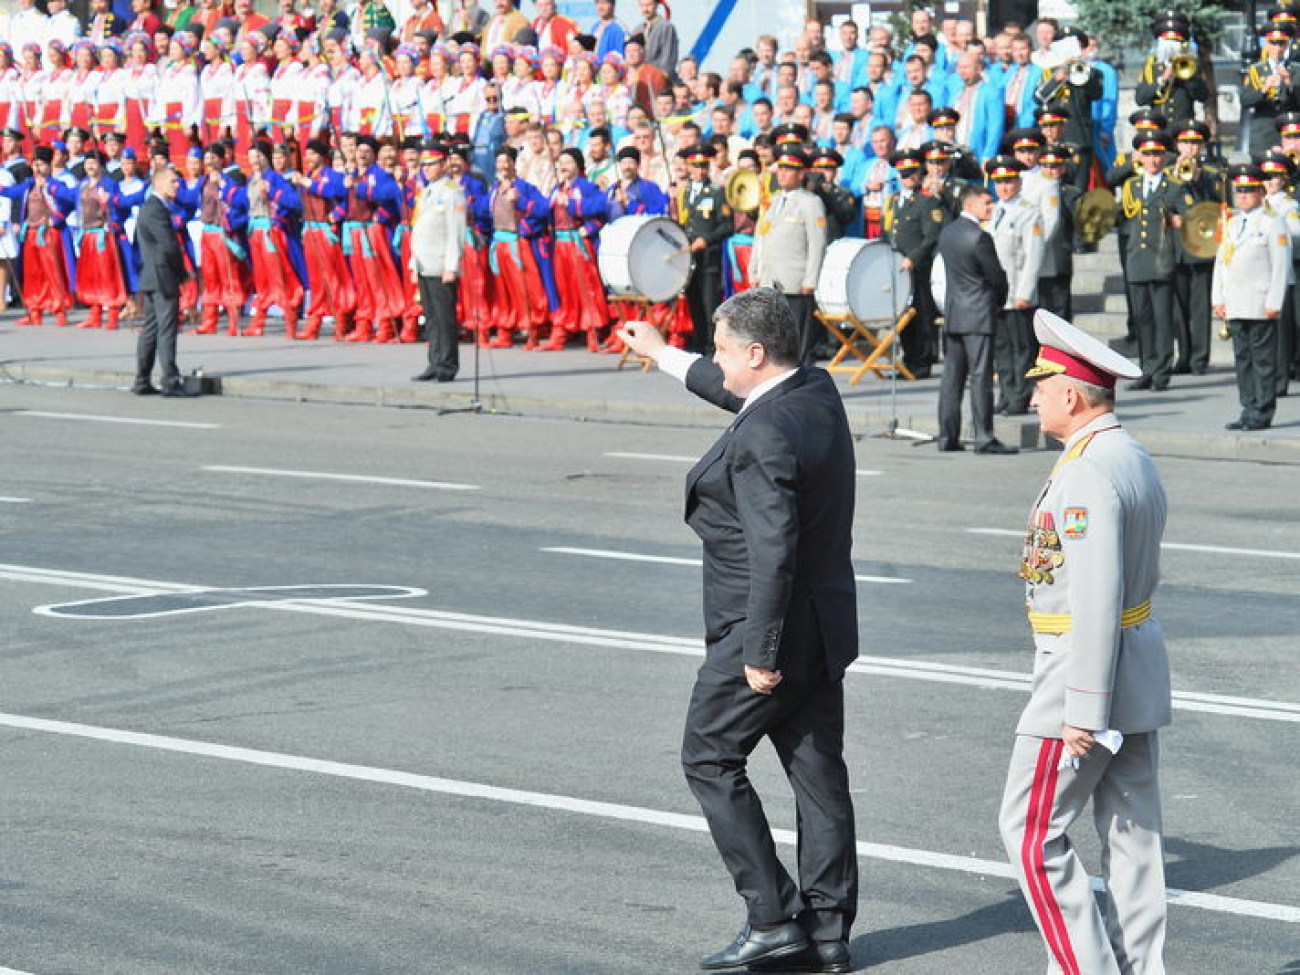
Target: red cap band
point(1074, 367)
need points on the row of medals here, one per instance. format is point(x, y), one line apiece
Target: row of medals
point(1042, 555)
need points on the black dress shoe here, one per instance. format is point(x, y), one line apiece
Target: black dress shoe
point(1159, 387)
point(1143, 383)
point(177, 391)
point(1235, 425)
point(424, 377)
point(1256, 424)
point(950, 446)
point(996, 446)
point(752, 945)
point(445, 377)
point(823, 956)
point(145, 389)
point(1182, 368)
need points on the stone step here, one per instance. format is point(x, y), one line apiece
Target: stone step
point(1102, 324)
point(1098, 301)
point(1097, 282)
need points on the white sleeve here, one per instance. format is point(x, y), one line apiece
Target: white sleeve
point(676, 362)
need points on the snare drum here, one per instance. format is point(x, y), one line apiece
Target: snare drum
point(644, 257)
point(864, 278)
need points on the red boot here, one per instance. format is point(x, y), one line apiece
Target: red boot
point(232, 319)
point(114, 315)
point(362, 333)
point(290, 325)
point(61, 319)
point(342, 325)
point(503, 340)
point(556, 342)
point(530, 339)
point(310, 330)
point(385, 333)
point(410, 330)
point(257, 326)
point(593, 340)
point(95, 319)
point(208, 323)
point(32, 318)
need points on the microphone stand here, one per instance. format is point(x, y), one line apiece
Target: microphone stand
point(892, 430)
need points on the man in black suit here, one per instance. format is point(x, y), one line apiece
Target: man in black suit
point(976, 290)
point(772, 501)
point(162, 269)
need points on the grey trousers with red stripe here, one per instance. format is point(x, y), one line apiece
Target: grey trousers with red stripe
point(1126, 934)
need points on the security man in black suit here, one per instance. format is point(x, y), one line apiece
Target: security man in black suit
point(162, 270)
point(911, 222)
point(976, 291)
point(703, 212)
point(772, 502)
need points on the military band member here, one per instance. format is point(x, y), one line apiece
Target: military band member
point(939, 181)
point(1288, 138)
point(1051, 123)
point(965, 166)
point(703, 212)
point(437, 235)
point(1059, 204)
point(1059, 93)
point(840, 204)
point(1101, 686)
point(1268, 88)
point(1017, 230)
point(789, 244)
point(1249, 289)
point(1149, 201)
point(1159, 85)
point(1144, 120)
point(1193, 181)
point(1278, 170)
point(912, 223)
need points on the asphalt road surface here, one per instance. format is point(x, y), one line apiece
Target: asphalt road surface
point(450, 744)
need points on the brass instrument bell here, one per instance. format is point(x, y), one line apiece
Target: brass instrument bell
point(1202, 230)
point(1096, 215)
point(744, 191)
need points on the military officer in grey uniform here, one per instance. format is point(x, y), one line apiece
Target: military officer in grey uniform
point(911, 222)
point(1017, 229)
point(1101, 687)
point(1059, 203)
point(789, 244)
point(1248, 291)
point(1151, 257)
point(703, 212)
point(437, 237)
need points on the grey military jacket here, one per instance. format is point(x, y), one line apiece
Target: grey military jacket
point(438, 228)
point(790, 242)
point(1091, 564)
point(1253, 265)
point(1017, 230)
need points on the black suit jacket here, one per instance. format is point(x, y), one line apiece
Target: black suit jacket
point(977, 285)
point(162, 262)
point(772, 501)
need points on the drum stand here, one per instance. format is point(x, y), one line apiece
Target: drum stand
point(853, 334)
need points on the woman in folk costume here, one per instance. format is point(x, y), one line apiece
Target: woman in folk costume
point(140, 86)
point(405, 96)
point(324, 197)
point(101, 280)
point(178, 102)
point(110, 96)
point(370, 115)
point(519, 217)
point(578, 210)
point(431, 96)
point(313, 89)
point(520, 89)
point(285, 85)
point(463, 97)
point(500, 65)
point(252, 93)
point(611, 90)
point(408, 178)
point(580, 82)
point(273, 203)
point(54, 92)
point(31, 91)
point(10, 93)
point(217, 81)
point(548, 87)
point(46, 252)
point(79, 102)
point(344, 78)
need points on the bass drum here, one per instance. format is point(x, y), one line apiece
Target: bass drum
point(938, 281)
point(644, 257)
point(865, 278)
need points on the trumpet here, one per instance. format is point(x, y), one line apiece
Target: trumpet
point(1185, 170)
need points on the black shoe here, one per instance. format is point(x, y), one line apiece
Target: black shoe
point(177, 390)
point(996, 446)
point(1256, 424)
point(1143, 383)
point(445, 377)
point(919, 372)
point(144, 389)
point(424, 377)
point(1235, 425)
point(950, 446)
point(1159, 387)
point(1182, 369)
point(752, 945)
point(823, 956)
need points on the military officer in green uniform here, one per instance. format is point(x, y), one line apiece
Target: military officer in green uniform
point(1193, 180)
point(911, 222)
point(964, 165)
point(789, 244)
point(940, 181)
point(703, 212)
point(840, 204)
point(1268, 88)
point(1052, 123)
point(1278, 170)
point(1126, 164)
point(1159, 84)
point(1149, 201)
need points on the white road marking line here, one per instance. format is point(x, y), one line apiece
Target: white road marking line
point(587, 807)
point(1263, 553)
point(118, 419)
point(600, 553)
point(898, 667)
point(12, 971)
point(13, 501)
point(358, 478)
point(862, 473)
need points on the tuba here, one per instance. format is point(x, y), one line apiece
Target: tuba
point(743, 191)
